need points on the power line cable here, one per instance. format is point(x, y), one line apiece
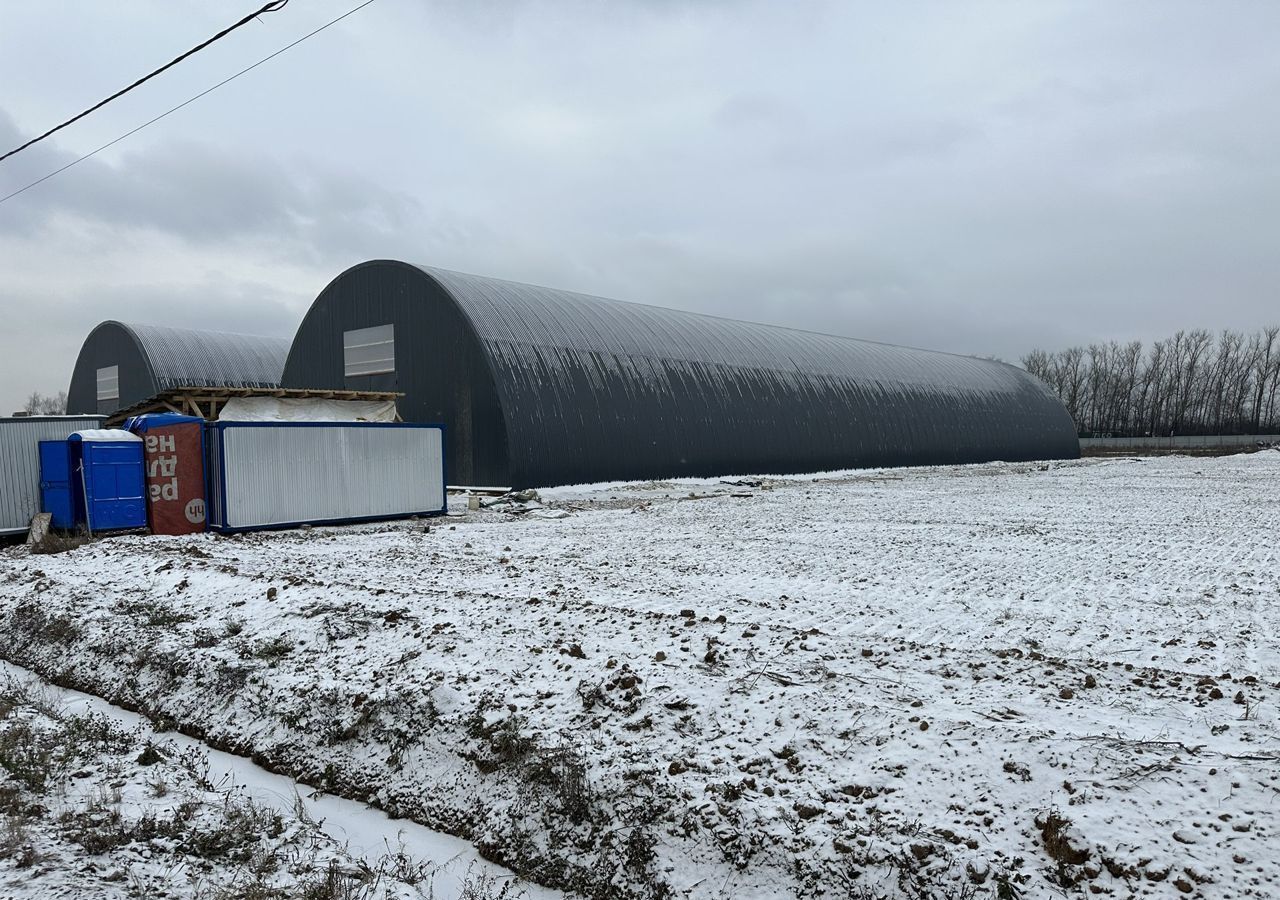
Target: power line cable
point(186, 102)
point(273, 6)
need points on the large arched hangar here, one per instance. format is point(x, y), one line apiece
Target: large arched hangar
point(539, 386)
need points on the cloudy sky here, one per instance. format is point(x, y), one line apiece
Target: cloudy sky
point(976, 177)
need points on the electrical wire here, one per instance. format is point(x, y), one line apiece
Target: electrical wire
point(187, 102)
point(273, 6)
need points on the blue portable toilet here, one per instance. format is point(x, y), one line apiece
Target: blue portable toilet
point(56, 494)
point(107, 479)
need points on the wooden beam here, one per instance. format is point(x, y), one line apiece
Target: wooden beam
point(205, 401)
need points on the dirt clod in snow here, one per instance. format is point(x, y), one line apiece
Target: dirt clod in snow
point(1061, 841)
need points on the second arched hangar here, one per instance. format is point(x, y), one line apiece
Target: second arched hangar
point(121, 364)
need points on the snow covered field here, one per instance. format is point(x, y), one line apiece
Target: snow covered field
point(98, 804)
point(1002, 680)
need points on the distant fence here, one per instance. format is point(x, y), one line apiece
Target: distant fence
point(1179, 442)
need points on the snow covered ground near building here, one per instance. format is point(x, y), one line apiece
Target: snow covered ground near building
point(1042, 679)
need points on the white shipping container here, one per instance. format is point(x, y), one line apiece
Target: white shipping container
point(277, 474)
point(20, 463)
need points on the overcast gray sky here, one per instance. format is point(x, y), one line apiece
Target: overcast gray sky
point(976, 177)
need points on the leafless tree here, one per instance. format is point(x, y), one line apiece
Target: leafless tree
point(40, 405)
point(1190, 383)
point(1264, 353)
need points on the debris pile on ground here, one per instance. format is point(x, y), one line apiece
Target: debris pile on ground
point(527, 502)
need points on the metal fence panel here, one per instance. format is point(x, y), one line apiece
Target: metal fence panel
point(278, 474)
point(1180, 442)
point(20, 463)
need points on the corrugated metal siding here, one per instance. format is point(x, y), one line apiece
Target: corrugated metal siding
point(20, 464)
point(540, 386)
point(596, 389)
point(213, 478)
point(271, 474)
point(181, 357)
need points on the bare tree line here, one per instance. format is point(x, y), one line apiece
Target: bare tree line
point(41, 405)
point(1191, 383)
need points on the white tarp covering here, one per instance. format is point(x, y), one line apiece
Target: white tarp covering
point(289, 409)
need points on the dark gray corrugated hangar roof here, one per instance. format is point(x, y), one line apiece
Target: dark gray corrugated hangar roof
point(154, 358)
point(181, 357)
point(540, 386)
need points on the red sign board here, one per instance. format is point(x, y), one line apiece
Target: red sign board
point(175, 478)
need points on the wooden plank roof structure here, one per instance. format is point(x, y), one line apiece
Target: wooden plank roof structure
point(206, 402)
